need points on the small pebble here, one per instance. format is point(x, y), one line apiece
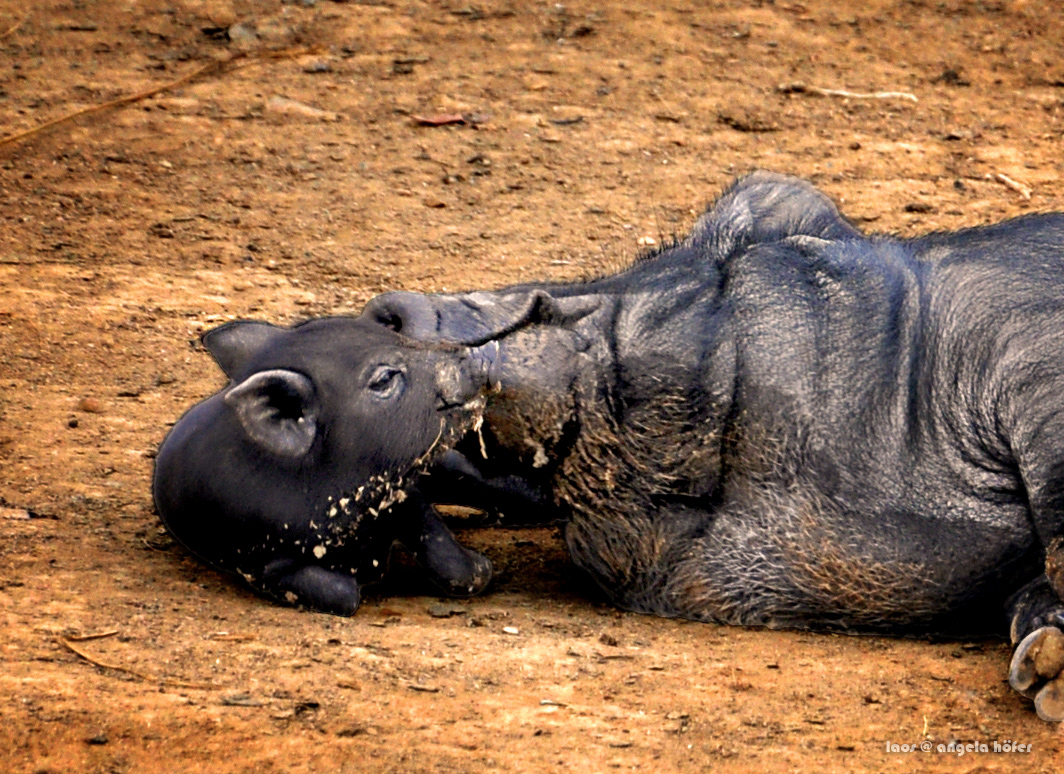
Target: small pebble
point(90, 406)
point(242, 34)
point(444, 611)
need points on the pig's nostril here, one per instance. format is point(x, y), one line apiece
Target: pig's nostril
point(390, 320)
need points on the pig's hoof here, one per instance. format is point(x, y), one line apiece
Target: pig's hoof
point(465, 578)
point(481, 573)
point(312, 587)
point(1037, 671)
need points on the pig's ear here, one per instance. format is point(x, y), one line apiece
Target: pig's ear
point(500, 314)
point(278, 409)
point(233, 343)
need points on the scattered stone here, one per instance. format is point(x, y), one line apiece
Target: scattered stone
point(289, 107)
point(747, 120)
point(438, 610)
point(90, 406)
point(951, 77)
point(405, 65)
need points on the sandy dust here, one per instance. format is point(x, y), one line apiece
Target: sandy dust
point(302, 184)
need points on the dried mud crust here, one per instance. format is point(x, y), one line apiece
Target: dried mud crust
point(300, 185)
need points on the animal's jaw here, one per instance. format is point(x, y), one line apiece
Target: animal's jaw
point(348, 514)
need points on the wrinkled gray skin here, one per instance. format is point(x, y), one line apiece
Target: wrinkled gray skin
point(301, 473)
point(777, 421)
point(780, 421)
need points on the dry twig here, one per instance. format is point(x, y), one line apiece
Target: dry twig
point(801, 88)
point(210, 68)
point(68, 642)
point(14, 27)
point(1008, 182)
point(860, 95)
point(97, 636)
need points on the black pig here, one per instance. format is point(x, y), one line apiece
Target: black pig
point(780, 421)
point(777, 421)
point(301, 473)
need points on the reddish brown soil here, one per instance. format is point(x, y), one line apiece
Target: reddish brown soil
point(282, 188)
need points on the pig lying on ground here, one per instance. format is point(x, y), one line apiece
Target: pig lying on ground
point(777, 421)
point(283, 477)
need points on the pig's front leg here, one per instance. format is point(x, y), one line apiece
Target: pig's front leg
point(457, 570)
point(309, 586)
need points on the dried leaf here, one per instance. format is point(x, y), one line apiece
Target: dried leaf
point(441, 119)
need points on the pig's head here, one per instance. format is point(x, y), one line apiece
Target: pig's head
point(294, 474)
point(544, 366)
point(540, 337)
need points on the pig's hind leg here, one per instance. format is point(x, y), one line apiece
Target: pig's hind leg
point(1037, 631)
point(1037, 610)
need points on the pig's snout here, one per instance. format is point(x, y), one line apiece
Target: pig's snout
point(463, 379)
point(411, 314)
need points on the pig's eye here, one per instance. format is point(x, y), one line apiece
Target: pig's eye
point(387, 382)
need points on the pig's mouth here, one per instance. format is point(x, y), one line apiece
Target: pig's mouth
point(487, 358)
point(468, 383)
point(354, 518)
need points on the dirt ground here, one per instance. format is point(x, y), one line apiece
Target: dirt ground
point(300, 182)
